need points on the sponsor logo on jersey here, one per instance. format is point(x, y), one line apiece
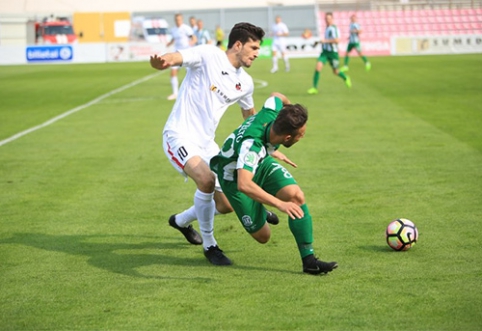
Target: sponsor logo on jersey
point(238, 86)
point(224, 73)
point(220, 93)
point(251, 159)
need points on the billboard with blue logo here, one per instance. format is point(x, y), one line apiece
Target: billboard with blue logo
point(61, 53)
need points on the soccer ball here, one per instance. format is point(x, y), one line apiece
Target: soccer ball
point(401, 234)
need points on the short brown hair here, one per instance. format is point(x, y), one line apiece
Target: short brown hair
point(290, 119)
point(244, 32)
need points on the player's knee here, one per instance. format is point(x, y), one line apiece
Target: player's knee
point(263, 235)
point(206, 183)
point(298, 197)
point(262, 239)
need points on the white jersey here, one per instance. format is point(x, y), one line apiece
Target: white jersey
point(211, 85)
point(181, 36)
point(279, 29)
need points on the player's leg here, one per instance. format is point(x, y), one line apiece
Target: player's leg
point(347, 58)
point(174, 83)
point(335, 63)
point(281, 183)
point(274, 58)
point(250, 213)
point(284, 56)
point(187, 160)
point(199, 171)
point(368, 65)
point(316, 76)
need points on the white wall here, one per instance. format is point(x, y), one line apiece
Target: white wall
point(69, 6)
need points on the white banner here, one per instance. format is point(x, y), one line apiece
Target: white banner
point(121, 52)
point(425, 45)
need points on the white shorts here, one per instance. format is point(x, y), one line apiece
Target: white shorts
point(278, 46)
point(179, 150)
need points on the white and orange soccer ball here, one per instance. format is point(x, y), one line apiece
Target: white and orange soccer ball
point(401, 234)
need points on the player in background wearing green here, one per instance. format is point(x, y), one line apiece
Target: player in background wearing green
point(250, 177)
point(354, 43)
point(329, 53)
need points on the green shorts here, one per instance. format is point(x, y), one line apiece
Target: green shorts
point(330, 57)
point(353, 45)
point(271, 177)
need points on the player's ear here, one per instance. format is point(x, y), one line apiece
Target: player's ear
point(238, 45)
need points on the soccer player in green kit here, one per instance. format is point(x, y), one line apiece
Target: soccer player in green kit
point(250, 176)
point(354, 43)
point(329, 54)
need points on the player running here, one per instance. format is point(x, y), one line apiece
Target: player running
point(354, 43)
point(329, 53)
point(279, 31)
point(250, 176)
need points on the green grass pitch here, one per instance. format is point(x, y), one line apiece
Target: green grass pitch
point(84, 203)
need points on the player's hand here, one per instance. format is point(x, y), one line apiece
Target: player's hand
point(159, 63)
point(292, 209)
point(280, 156)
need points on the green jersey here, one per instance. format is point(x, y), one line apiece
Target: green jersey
point(331, 32)
point(354, 35)
point(249, 144)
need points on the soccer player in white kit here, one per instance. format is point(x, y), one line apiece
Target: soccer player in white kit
point(279, 31)
point(215, 80)
point(182, 37)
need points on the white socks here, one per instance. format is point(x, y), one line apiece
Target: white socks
point(275, 63)
point(175, 85)
point(205, 207)
point(287, 63)
point(186, 217)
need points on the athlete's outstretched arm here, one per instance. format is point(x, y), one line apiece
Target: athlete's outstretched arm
point(280, 156)
point(165, 61)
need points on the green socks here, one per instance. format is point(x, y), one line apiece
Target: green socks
point(347, 60)
point(316, 78)
point(302, 230)
point(342, 75)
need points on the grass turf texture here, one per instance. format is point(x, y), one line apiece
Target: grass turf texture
point(84, 204)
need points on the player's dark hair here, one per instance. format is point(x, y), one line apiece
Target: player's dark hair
point(244, 32)
point(290, 119)
point(329, 13)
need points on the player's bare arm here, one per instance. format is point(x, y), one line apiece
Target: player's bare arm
point(255, 192)
point(165, 61)
point(280, 156)
point(283, 97)
point(248, 112)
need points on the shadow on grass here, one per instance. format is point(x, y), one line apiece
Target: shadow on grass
point(104, 253)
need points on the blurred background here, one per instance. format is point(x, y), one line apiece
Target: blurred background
point(104, 31)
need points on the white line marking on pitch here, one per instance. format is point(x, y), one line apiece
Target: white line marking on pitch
point(262, 83)
point(76, 109)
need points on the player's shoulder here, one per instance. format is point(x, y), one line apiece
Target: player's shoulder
point(273, 103)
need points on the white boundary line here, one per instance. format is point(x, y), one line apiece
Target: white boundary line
point(90, 103)
point(76, 109)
